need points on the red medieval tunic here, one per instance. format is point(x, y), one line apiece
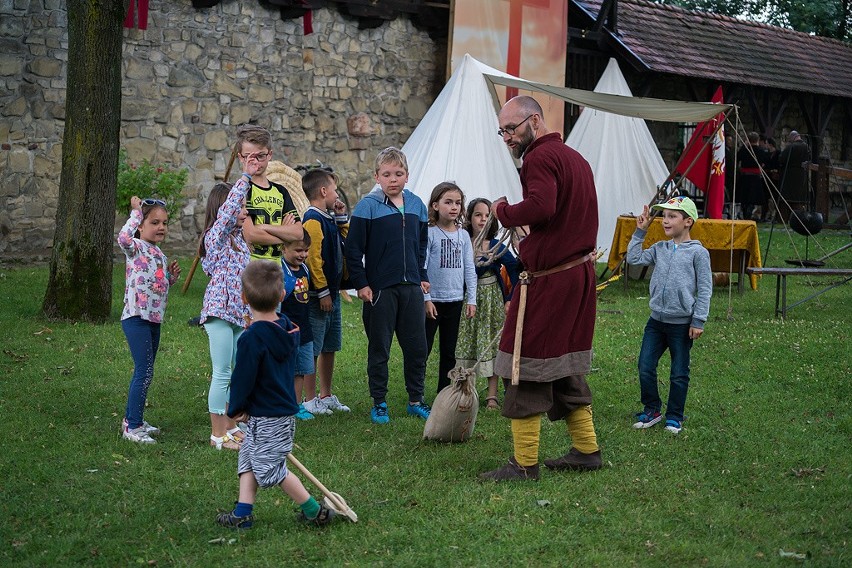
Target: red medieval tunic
point(561, 208)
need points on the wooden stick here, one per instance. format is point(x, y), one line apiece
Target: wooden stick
point(338, 503)
point(519, 329)
point(230, 164)
point(189, 276)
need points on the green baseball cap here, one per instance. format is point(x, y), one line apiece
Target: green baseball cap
point(680, 203)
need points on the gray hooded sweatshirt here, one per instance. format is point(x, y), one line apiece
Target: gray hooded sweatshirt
point(682, 282)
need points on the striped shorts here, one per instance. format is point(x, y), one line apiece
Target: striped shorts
point(264, 452)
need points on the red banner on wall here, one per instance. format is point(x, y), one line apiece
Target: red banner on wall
point(140, 8)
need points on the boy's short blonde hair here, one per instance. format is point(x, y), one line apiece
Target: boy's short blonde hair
point(252, 134)
point(263, 284)
point(392, 156)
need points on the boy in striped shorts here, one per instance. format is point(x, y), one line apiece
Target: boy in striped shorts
point(263, 396)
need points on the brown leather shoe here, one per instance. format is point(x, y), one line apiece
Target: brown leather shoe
point(510, 472)
point(574, 460)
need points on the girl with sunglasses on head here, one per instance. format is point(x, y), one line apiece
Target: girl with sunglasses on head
point(148, 276)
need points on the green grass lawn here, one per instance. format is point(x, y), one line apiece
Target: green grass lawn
point(762, 465)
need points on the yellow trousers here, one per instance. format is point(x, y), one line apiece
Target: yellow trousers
point(526, 434)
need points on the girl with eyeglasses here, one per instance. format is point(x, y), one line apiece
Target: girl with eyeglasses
point(148, 276)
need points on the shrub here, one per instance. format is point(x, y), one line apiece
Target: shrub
point(150, 180)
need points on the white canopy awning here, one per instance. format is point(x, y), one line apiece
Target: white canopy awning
point(649, 109)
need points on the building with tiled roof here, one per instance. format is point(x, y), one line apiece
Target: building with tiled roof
point(780, 79)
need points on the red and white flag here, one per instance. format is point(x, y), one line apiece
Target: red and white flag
point(708, 170)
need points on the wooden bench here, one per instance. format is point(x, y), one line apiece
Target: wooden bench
point(781, 274)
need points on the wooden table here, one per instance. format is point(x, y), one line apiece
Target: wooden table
point(733, 245)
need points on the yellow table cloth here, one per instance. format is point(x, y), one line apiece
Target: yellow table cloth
point(719, 237)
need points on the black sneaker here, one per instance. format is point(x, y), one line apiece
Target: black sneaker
point(230, 520)
point(324, 516)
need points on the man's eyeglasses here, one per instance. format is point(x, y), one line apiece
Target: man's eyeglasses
point(510, 130)
point(260, 156)
point(151, 201)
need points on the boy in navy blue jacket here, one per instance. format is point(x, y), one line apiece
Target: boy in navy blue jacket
point(325, 261)
point(386, 258)
point(262, 396)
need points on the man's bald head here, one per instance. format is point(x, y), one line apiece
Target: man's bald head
point(521, 122)
point(523, 105)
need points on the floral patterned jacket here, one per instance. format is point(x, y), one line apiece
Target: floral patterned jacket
point(146, 276)
point(227, 256)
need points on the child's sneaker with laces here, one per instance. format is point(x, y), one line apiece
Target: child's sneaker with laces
point(332, 403)
point(647, 419)
point(303, 413)
point(379, 413)
point(421, 410)
point(230, 520)
point(138, 435)
point(152, 430)
point(674, 426)
point(316, 406)
point(324, 516)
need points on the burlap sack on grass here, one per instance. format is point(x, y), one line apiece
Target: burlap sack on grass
point(454, 410)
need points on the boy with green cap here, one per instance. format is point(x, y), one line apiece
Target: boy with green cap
point(681, 286)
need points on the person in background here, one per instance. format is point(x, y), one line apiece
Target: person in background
point(555, 354)
point(386, 258)
point(452, 276)
point(148, 276)
point(681, 286)
point(327, 222)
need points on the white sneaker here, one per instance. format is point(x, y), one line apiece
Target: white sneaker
point(138, 435)
point(151, 430)
point(316, 406)
point(333, 403)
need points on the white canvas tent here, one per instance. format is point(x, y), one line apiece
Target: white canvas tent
point(457, 138)
point(624, 158)
point(457, 141)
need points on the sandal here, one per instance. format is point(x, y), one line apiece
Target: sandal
point(224, 442)
point(237, 435)
point(491, 403)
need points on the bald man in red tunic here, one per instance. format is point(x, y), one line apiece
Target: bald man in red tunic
point(560, 208)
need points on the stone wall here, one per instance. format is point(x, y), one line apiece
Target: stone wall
point(337, 95)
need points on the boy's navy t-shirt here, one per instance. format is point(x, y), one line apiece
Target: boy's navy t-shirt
point(295, 304)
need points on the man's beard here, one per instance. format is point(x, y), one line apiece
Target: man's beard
point(523, 143)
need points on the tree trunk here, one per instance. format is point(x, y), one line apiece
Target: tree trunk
point(80, 284)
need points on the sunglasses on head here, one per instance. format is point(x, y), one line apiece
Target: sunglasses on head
point(151, 201)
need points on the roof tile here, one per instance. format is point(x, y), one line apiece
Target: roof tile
point(681, 42)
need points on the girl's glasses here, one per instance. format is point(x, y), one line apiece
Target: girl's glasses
point(151, 201)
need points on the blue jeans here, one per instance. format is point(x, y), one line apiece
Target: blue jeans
point(305, 359)
point(143, 337)
point(659, 336)
point(326, 326)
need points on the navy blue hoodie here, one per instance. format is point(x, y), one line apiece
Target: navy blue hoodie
point(262, 381)
point(384, 247)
